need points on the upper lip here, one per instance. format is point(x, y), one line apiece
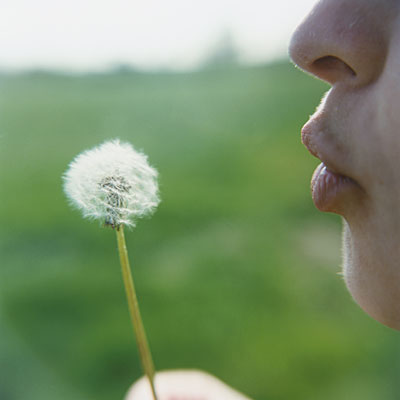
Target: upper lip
point(322, 143)
point(309, 137)
point(312, 138)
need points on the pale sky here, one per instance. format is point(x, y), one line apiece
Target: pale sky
point(178, 34)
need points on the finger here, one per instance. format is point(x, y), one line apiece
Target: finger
point(184, 385)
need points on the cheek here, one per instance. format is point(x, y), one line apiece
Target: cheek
point(371, 272)
point(374, 139)
point(385, 135)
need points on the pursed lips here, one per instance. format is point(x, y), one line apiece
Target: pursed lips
point(322, 143)
point(333, 186)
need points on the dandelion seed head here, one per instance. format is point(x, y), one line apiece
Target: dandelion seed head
point(112, 182)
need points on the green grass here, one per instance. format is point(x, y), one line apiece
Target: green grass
point(236, 272)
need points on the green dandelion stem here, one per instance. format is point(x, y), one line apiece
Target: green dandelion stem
point(143, 346)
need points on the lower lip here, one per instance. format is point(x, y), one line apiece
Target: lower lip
point(330, 190)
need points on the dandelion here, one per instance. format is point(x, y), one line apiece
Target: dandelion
point(115, 184)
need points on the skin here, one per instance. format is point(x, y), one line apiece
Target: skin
point(184, 385)
point(354, 45)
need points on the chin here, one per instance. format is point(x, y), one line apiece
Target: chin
point(371, 265)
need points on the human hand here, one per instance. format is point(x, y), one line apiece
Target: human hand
point(184, 385)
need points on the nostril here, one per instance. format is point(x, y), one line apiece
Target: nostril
point(332, 69)
point(333, 63)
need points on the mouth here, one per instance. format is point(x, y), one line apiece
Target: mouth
point(333, 186)
point(332, 190)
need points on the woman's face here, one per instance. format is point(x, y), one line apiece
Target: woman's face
point(355, 46)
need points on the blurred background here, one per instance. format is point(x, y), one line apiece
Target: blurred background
point(237, 272)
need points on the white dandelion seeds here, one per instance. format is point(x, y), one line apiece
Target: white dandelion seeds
point(115, 183)
point(112, 182)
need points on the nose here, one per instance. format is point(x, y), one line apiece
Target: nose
point(344, 41)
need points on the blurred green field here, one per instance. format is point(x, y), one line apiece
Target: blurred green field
point(236, 271)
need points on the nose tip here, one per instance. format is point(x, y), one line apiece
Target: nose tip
point(342, 41)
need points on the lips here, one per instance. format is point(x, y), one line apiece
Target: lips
point(330, 190)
